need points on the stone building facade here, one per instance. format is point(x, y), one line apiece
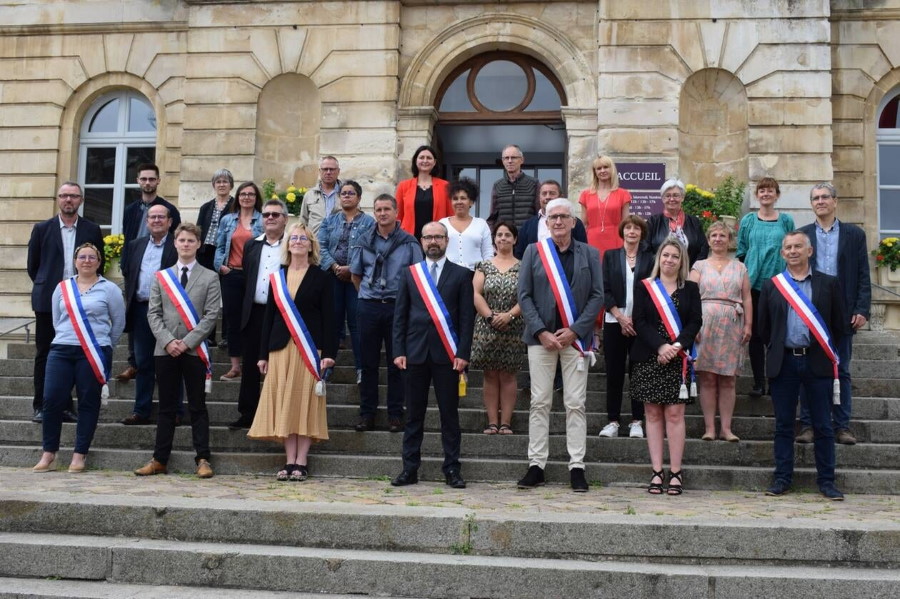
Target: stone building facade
point(795, 89)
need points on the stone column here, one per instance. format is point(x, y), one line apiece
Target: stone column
point(581, 130)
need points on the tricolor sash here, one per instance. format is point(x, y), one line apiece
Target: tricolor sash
point(562, 291)
point(665, 307)
point(296, 327)
point(436, 308)
point(810, 316)
point(168, 279)
point(90, 346)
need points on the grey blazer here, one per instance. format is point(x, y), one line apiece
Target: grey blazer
point(536, 297)
point(165, 323)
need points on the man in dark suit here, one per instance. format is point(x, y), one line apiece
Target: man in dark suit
point(262, 257)
point(420, 351)
point(134, 225)
point(175, 351)
point(51, 258)
point(839, 249)
point(146, 256)
point(536, 228)
point(551, 340)
point(795, 361)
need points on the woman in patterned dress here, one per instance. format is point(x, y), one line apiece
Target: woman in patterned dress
point(497, 346)
point(727, 324)
point(657, 363)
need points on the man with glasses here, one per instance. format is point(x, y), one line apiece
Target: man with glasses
point(146, 255)
point(514, 196)
point(559, 269)
point(134, 225)
point(322, 199)
point(262, 257)
point(377, 261)
point(51, 258)
point(536, 228)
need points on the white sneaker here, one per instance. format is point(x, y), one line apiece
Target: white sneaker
point(610, 430)
point(636, 431)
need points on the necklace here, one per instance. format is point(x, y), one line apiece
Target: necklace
point(601, 205)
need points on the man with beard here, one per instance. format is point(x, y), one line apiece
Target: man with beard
point(51, 258)
point(433, 322)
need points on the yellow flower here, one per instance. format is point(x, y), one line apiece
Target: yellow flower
point(274, 197)
point(291, 189)
point(291, 198)
point(303, 190)
point(690, 187)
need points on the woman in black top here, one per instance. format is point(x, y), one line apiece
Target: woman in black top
point(674, 222)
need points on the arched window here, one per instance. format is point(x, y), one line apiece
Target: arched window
point(117, 134)
point(888, 144)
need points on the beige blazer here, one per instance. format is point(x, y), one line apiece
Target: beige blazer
point(165, 322)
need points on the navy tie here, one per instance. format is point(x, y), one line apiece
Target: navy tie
point(184, 270)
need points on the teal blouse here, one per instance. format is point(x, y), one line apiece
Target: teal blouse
point(759, 246)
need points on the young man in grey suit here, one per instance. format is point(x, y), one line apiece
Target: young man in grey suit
point(551, 339)
point(176, 354)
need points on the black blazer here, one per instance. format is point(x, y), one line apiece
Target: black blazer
point(826, 297)
point(131, 270)
point(614, 274)
point(204, 218)
point(852, 269)
point(415, 335)
point(698, 247)
point(314, 299)
point(528, 234)
point(46, 262)
point(131, 221)
point(647, 320)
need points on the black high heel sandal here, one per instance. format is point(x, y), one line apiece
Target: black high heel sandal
point(656, 488)
point(675, 489)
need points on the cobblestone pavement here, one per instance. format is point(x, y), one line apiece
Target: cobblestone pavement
point(479, 497)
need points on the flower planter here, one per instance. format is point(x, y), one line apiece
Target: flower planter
point(887, 277)
point(113, 271)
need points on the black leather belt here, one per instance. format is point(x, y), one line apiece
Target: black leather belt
point(388, 300)
point(798, 351)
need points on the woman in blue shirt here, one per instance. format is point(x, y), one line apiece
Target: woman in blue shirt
point(68, 365)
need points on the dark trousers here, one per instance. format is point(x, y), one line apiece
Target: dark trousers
point(170, 374)
point(615, 352)
point(345, 300)
point(206, 257)
point(67, 366)
point(144, 344)
point(43, 337)
point(376, 322)
point(232, 304)
point(840, 413)
point(794, 376)
point(248, 397)
point(446, 389)
point(757, 348)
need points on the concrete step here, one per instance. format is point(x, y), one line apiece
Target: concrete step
point(270, 457)
point(239, 565)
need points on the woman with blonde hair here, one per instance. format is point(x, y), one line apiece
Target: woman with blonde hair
point(604, 205)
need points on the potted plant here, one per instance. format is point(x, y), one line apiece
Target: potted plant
point(112, 252)
point(887, 259)
point(292, 196)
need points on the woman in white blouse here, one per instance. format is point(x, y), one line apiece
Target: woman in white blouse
point(469, 240)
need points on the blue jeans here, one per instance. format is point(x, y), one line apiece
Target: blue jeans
point(345, 307)
point(839, 414)
point(794, 376)
point(376, 322)
point(68, 366)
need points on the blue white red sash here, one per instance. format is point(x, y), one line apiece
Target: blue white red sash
point(562, 291)
point(440, 316)
point(296, 327)
point(672, 321)
point(168, 279)
point(810, 316)
point(89, 344)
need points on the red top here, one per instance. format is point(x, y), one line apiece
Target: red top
point(406, 202)
point(601, 218)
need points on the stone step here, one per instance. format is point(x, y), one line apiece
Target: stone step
point(325, 570)
point(270, 457)
point(559, 536)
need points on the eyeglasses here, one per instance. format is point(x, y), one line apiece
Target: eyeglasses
point(247, 194)
point(555, 217)
point(298, 238)
point(433, 237)
point(69, 196)
point(157, 217)
point(87, 258)
point(671, 196)
point(272, 214)
point(825, 196)
point(348, 194)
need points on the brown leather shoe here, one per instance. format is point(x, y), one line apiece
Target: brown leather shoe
point(845, 437)
point(134, 419)
point(805, 436)
point(204, 470)
point(152, 467)
point(127, 374)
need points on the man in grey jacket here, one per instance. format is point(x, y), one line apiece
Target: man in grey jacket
point(321, 200)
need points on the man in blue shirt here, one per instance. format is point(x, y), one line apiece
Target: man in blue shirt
point(376, 263)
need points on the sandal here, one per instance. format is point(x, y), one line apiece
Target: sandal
point(299, 472)
point(491, 429)
point(656, 488)
point(505, 429)
point(282, 474)
point(707, 437)
point(675, 489)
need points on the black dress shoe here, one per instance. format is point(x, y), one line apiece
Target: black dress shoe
point(758, 390)
point(239, 424)
point(577, 480)
point(38, 416)
point(134, 420)
point(395, 425)
point(69, 416)
point(365, 424)
point(533, 478)
point(407, 477)
point(455, 480)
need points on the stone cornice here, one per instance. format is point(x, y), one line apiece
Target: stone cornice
point(86, 28)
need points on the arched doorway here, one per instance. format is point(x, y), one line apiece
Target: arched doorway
point(490, 101)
